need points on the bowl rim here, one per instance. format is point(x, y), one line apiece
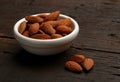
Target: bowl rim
point(75, 30)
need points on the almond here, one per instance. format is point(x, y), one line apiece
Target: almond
point(34, 28)
point(41, 32)
point(53, 23)
point(34, 19)
point(62, 29)
point(73, 66)
point(22, 27)
point(48, 29)
point(52, 16)
point(26, 33)
point(88, 63)
point(66, 22)
point(42, 16)
point(77, 58)
point(41, 36)
point(53, 36)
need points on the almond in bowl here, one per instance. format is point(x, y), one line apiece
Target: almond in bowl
point(46, 33)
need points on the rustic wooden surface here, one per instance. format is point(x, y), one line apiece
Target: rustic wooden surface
point(99, 38)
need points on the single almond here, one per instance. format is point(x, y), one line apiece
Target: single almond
point(26, 33)
point(48, 29)
point(42, 16)
point(53, 36)
point(34, 19)
point(40, 36)
point(88, 63)
point(22, 27)
point(53, 23)
point(73, 66)
point(34, 28)
point(41, 32)
point(52, 16)
point(66, 21)
point(62, 29)
point(77, 58)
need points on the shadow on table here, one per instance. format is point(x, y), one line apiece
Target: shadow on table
point(30, 60)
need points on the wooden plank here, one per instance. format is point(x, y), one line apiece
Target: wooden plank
point(99, 38)
point(99, 34)
point(24, 66)
point(96, 25)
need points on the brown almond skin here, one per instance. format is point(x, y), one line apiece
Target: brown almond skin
point(53, 23)
point(34, 28)
point(40, 36)
point(26, 33)
point(65, 21)
point(42, 16)
point(53, 36)
point(34, 19)
point(41, 32)
point(73, 66)
point(52, 16)
point(22, 27)
point(62, 29)
point(77, 58)
point(48, 29)
point(88, 64)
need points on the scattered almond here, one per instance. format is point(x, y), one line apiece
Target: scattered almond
point(85, 63)
point(88, 63)
point(77, 58)
point(73, 66)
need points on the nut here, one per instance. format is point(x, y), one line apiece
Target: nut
point(66, 22)
point(62, 29)
point(52, 16)
point(41, 32)
point(73, 66)
point(26, 33)
point(77, 58)
point(34, 28)
point(42, 16)
point(48, 29)
point(40, 36)
point(85, 63)
point(88, 63)
point(34, 19)
point(22, 27)
point(51, 25)
point(56, 36)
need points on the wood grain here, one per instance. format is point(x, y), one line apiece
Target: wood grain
point(99, 38)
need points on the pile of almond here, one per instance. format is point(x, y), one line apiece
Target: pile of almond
point(78, 63)
point(46, 26)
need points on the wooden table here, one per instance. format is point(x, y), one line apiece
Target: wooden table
point(99, 38)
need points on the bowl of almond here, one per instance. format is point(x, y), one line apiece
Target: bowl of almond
point(46, 33)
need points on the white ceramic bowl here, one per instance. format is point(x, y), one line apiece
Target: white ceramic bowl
point(46, 47)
